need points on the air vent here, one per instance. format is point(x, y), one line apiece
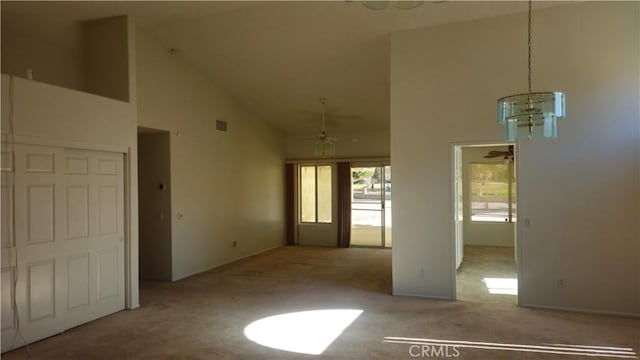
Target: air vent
point(221, 125)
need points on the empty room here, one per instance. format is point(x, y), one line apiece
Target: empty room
point(320, 179)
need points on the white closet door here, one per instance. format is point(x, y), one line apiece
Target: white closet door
point(69, 235)
point(8, 248)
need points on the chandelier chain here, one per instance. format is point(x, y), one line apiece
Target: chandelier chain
point(529, 48)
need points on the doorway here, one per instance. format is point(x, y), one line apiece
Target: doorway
point(485, 215)
point(154, 199)
point(371, 205)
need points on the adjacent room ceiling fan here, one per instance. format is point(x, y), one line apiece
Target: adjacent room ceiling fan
point(506, 155)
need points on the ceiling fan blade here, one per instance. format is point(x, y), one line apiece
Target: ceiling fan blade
point(499, 153)
point(495, 154)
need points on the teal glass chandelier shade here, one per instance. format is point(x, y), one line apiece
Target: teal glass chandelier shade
point(534, 115)
point(324, 148)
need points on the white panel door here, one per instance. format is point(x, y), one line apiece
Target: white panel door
point(69, 241)
point(8, 248)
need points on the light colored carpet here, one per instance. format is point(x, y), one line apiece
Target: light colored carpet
point(204, 317)
point(484, 267)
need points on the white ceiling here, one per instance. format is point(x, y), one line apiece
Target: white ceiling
point(275, 58)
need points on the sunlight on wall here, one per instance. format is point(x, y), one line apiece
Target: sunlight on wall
point(306, 332)
point(563, 349)
point(501, 286)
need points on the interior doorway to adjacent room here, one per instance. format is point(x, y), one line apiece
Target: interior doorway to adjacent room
point(485, 208)
point(154, 199)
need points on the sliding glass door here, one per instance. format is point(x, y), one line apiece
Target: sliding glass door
point(371, 206)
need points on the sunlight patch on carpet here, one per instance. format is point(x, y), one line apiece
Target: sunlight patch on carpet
point(501, 286)
point(306, 332)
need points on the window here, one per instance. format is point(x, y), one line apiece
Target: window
point(315, 194)
point(492, 190)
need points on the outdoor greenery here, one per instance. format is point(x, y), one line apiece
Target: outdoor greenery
point(490, 192)
point(490, 180)
point(362, 178)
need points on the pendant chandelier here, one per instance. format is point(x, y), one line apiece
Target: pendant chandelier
point(532, 114)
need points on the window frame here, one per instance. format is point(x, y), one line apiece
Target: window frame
point(300, 197)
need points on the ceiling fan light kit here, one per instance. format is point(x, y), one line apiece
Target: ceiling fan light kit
point(324, 149)
point(532, 114)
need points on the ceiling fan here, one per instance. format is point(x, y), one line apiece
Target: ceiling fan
point(324, 144)
point(506, 155)
point(322, 136)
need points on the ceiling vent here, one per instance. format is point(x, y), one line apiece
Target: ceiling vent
point(221, 125)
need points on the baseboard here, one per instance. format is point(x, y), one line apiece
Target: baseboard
point(181, 277)
point(578, 310)
point(422, 296)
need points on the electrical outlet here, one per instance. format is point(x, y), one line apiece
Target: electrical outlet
point(561, 283)
point(421, 273)
point(235, 243)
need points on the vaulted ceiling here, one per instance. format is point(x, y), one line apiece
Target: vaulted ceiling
point(275, 58)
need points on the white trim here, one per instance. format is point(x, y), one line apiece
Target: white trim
point(182, 277)
point(518, 229)
point(43, 141)
point(128, 242)
point(454, 201)
point(126, 152)
point(452, 174)
point(483, 143)
point(579, 310)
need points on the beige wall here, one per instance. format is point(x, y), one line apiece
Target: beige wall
point(478, 232)
point(228, 186)
point(580, 192)
point(106, 57)
point(57, 64)
point(94, 57)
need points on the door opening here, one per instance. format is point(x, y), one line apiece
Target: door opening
point(485, 215)
point(154, 199)
point(371, 205)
